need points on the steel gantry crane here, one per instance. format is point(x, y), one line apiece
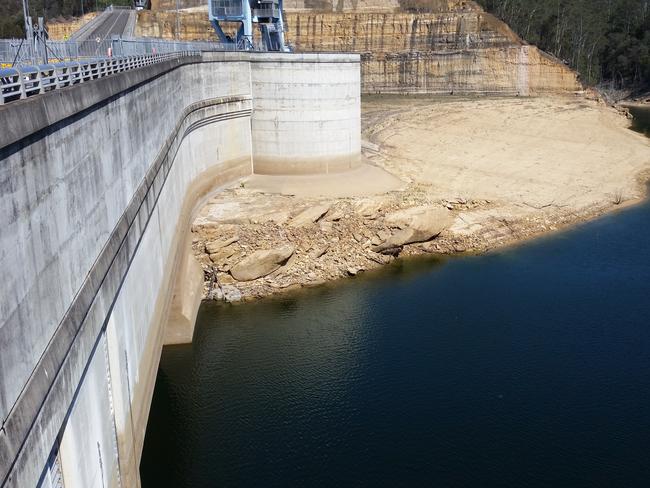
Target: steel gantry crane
point(266, 13)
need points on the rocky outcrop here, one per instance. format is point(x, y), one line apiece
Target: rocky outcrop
point(171, 4)
point(415, 224)
point(261, 263)
point(194, 26)
point(462, 51)
point(61, 28)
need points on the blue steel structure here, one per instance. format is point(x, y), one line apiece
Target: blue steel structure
point(266, 13)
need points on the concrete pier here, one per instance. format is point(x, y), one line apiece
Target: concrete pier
point(98, 185)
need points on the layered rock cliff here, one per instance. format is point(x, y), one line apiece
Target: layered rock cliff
point(407, 46)
point(64, 28)
point(457, 51)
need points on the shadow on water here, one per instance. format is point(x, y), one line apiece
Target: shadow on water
point(641, 120)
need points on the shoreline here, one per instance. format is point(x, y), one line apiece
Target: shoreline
point(414, 255)
point(332, 236)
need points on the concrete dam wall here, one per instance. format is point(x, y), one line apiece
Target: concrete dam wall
point(99, 183)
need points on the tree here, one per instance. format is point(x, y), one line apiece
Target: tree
point(606, 41)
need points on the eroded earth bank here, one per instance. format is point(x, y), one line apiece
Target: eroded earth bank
point(442, 176)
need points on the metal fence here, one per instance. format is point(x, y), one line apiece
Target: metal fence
point(127, 47)
point(18, 52)
point(21, 82)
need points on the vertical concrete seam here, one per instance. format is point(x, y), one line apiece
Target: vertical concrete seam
point(111, 407)
point(250, 121)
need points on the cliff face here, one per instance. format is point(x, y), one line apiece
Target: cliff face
point(407, 46)
point(463, 50)
point(63, 29)
point(194, 26)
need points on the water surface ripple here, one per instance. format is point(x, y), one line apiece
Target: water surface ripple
point(528, 367)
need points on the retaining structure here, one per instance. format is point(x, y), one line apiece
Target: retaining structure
point(99, 183)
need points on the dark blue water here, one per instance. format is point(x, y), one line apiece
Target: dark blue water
point(641, 120)
point(523, 368)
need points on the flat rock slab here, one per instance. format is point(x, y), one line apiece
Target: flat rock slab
point(369, 208)
point(214, 247)
point(309, 215)
point(221, 256)
point(261, 263)
point(425, 218)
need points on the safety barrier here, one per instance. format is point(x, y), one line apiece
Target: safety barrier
point(25, 81)
point(19, 52)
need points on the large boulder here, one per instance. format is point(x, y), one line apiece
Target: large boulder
point(261, 263)
point(415, 224)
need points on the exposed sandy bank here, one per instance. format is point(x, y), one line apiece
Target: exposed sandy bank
point(501, 170)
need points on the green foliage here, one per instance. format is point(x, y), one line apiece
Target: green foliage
point(606, 41)
point(11, 12)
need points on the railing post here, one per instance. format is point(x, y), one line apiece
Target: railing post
point(39, 78)
point(23, 90)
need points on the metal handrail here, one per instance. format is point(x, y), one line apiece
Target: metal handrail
point(72, 50)
point(25, 81)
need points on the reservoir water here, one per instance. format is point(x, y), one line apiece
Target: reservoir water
point(641, 120)
point(527, 367)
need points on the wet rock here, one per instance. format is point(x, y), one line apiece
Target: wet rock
point(459, 247)
point(391, 251)
point(231, 293)
point(261, 263)
point(352, 271)
point(309, 216)
point(213, 247)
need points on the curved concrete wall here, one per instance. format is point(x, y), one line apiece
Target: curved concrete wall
point(306, 113)
point(98, 187)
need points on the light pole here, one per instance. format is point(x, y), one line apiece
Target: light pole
point(178, 22)
point(26, 18)
point(29, 33)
